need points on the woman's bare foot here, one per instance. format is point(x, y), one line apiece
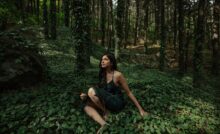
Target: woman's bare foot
point(103, 128)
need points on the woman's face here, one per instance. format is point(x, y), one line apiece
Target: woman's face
point(105, 62)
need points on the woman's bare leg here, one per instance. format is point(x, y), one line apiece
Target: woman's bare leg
point(94, 114)
point(95, 99)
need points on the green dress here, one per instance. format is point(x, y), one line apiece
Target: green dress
point(111, 96)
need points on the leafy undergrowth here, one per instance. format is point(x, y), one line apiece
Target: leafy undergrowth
point(174, 106)
point(54, 107)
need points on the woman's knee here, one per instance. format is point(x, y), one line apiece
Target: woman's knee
point(91, 92)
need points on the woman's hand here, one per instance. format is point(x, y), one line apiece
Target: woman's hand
point(143, 113)
point(83, 96)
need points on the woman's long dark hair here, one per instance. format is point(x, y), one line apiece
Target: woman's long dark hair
point(102, 72)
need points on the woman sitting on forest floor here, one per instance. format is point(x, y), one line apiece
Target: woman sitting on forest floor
point(107, 96)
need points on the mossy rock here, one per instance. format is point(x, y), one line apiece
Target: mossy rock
point(22, 65)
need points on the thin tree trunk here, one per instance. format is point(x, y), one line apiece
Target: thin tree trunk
point(53, 19)
point(58, 6)
point(181, 37)
point(187, 42)
point(157, 19)
point(216, 39)
point(146, 6)
point(110, 24)
point(136, 22)
point(38, 11)
point(22, 11)
point(199, 42)
point(119, 27)
point(103, 20)
point(162, 40)
point(98, 20)
point(66, 12)
point(126, 22)
point(45, 20)
point(174, 24)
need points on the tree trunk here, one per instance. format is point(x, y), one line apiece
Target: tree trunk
point(187, 42)
point(157, 19)
point(81, 34)
point(53, 19)
point(136, 22)
point(58, 6)
point(97, 20)
point(66, 12)
point(45, 20)
point(119, 27)
point(146, 6)
point(181, 37)
point(38, 11)
point(110, 22)
point(216, 39)
point(22, 11)
point(162, 37)
point(199, 42)
point(174, 24)
point(126, 22)
point(103, 20)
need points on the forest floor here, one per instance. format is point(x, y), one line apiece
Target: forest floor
point(54, 106)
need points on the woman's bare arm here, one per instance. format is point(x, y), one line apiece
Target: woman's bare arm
point(124, 85)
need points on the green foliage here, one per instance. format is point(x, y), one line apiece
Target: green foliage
point(6, 11)
point(175, 107)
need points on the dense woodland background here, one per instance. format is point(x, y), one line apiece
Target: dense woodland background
point(168, 50)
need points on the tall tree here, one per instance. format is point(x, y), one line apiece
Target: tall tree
point(66, 4)
point(137, 21)
point(175, 24)
point(111, 23)
point(146, 7)
point(181, 36)
point(119, 27)
point(127, 30)
point(216, 39)
point(157, 18)
point(199, 43)
point(162, 36)
point(38, 11)
point(53, 19)
point(81, 34)
point(45, 20)
point(58, 6)
point(103, 20)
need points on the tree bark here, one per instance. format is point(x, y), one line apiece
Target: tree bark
point(38, 11)
point(216, 39)
point(103, 20)
point(45, 20)
point(181, 37)
point(157, 19)
point(162, 37)
point(81, 34)
point(199, 43)
point(53, 19)
point(66, 12)
point(119, 27)
point(146, 6)
point(174, 24)
point(136, 22)
point(126, 22)
point(110, 24)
